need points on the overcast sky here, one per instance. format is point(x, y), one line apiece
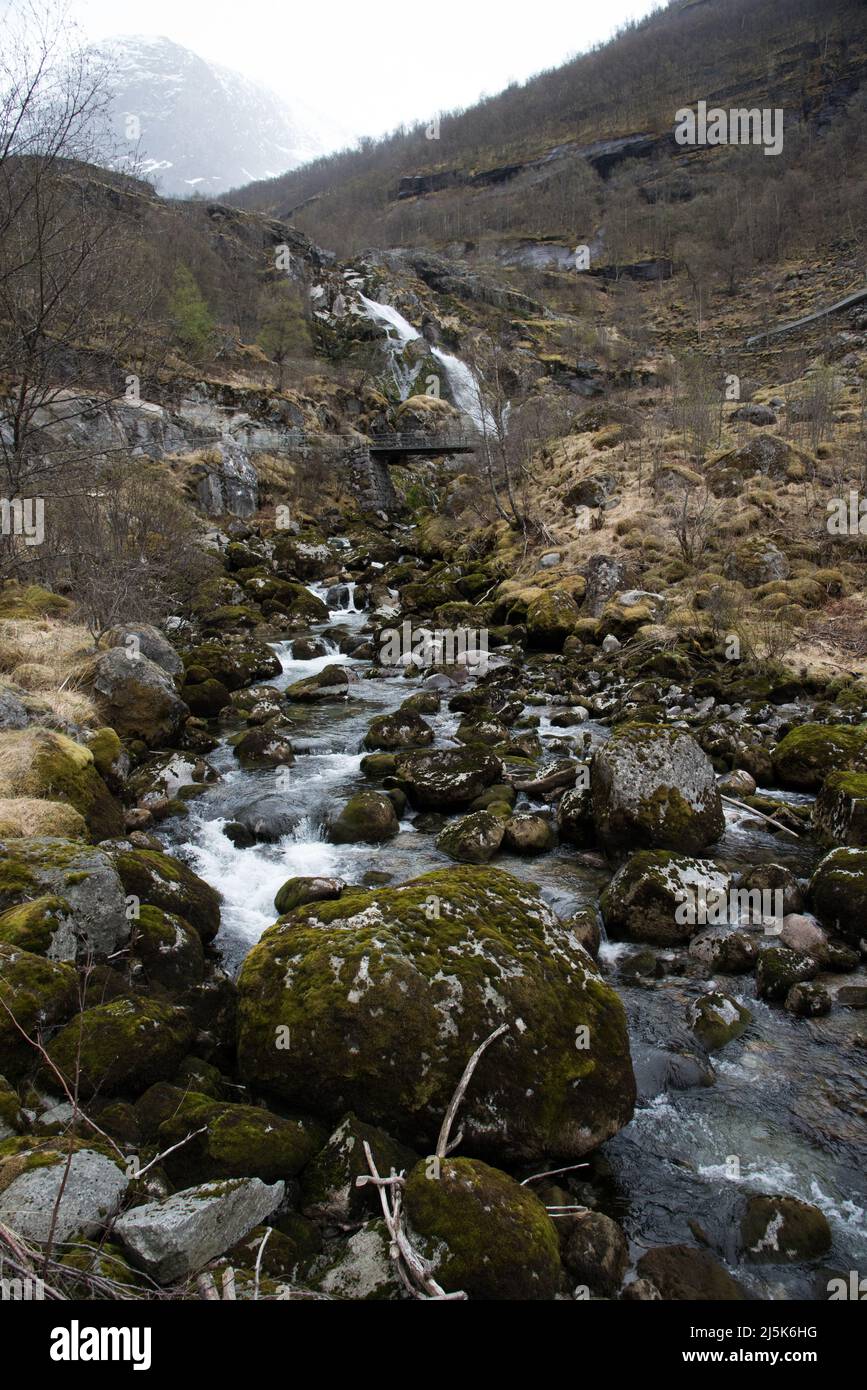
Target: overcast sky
point(372, 64)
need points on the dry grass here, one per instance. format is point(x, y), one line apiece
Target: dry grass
point(25, 816)
point(37, 657)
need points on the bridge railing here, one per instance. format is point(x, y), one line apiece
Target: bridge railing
point(415, 441)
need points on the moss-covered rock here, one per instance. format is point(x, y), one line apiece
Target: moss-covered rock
point(838, 891)
point(86, 916)
point(295, 892)
point(483, 1233)
point(716, 1019)
point(166, 952)
point(840, 811)
point(448, 778)
point(239, 1141)
point(134, 695)
point(529, 833)
point(121, 1046)
point(38, 995)
point(331, 683)
point(783, 1230)
point(234, 664)
point(551, 618)
point(575, 817)
point(168, 883)
point(655, 786)
point(778, 969)
point(368, 817)
point(403, 729)
point(807, 754)
point(328, 1187)
point(656, 896)
point(360, 1267)
point(472, 839)
point(596, 1253)
point(386, 994)
point(51, 767)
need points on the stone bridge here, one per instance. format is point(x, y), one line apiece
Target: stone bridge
point(369, 457)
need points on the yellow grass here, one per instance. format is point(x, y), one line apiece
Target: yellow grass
point(37, 658)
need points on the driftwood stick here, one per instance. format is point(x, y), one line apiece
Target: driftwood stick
point(442, 1147)
point(753, 812)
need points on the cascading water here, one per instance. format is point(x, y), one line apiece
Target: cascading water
point(465, 392)
point(399, 333)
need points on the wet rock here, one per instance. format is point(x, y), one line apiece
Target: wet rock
point(296, 892)
point(528, 833)
point(585, 927)
point(775, 880)
point(170, 884)
point(575, 817)
point(737, 783)
point(308, 648)
point(596, 1253)
point(266, 746)
point(447, 778)
point(656, 896)
point(725, 951)
point(403, 729)
point(655, 786)
point(173, 1238)
point(368, 817)
point(483, 1232)
point(778, 969)
point(683, 1272)
point(808, 1001)
point(783, 1230)
point(331, 683)
point(802, 933)
point(716, 1019)
point(472, 839)
point(264, 821)
point(852, 996)
point(370, 984)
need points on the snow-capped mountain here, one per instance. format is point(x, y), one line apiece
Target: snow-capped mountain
point(200, 127)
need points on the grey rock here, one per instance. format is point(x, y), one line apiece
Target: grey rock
point(13, 715)
point(92, 1192)
point(175, 1237)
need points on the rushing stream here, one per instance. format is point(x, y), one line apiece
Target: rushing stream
point(786, 1110)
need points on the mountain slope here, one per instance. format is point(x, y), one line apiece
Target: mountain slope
point(204, 127)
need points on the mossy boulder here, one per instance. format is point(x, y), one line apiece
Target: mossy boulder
point(51, 767)
point(716, 1019)
point(134, 695)
point(596, 1253)
point(448, 778)
point(122, 1046)
point(39, 994)
point(168, 883)
point(778, 969)
point(331, 683)
point(472, 839)
point(145, 639)
point(808, 999)
point(551, 618)
point(656, 897)
point(234, 664)
point(295, 892)
point(105, 1261)
point(206, 697)
point(655, 787)
point(403, 729)
point(51, 1191)
point(165, 950)
point(360, 1267)
point(783, 1230)
point(529, 833)
point(482, 1232)
point(756, 562)
point(838, 891)
point(328, 1188)
point(368, 816)
point(387, 993)
point(840, 812)
point(238, 1141)
point(268, 745)
point(67, 897)
point(575, 817)
point(804, 758)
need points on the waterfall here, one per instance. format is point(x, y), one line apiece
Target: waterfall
point(462, 385)
point(399, 333)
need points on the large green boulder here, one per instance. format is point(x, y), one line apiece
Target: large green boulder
point(807, 754)
point(403, 729)
point(62, 898)
point(838, 891)
point(124, 1045)
point(657, 896)
point(472, 839)
point(234, 664)
point(381, 997)
point(35, 995)
point(239, 1141)
point(135, 696)
point(368, 816)
point(551, 618)
point(840, 811)
point(448, 778)
point(653, 786)
point(482, 1232)
point(716, 1019)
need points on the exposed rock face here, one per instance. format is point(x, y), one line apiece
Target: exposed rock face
point(655, 786)
point(52, 1200)
point(135, 696)
point(387, 993)
point(149, 641)
point(173, 1238)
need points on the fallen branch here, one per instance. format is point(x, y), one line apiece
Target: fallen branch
point(753, 812)
point(442, 1147)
